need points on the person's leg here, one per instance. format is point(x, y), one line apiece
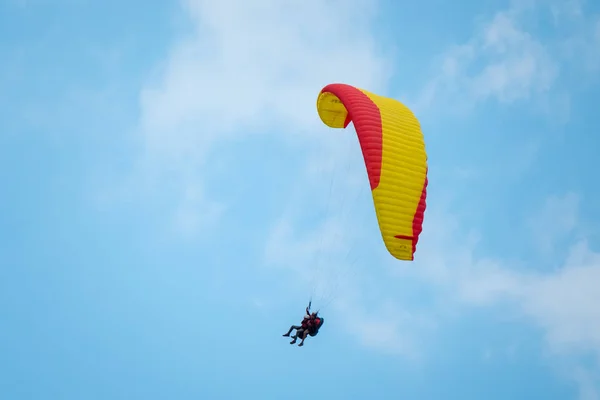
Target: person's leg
point(304, 334)
point(299, 333)
point(296, 327)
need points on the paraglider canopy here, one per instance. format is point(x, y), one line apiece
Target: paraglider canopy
point(393, 149)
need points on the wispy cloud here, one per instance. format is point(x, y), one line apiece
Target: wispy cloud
point(249, 66)
point(250, 69)
point(562, 302)
point(502, 61)
point(508, 60)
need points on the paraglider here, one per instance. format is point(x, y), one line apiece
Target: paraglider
point(310, 325)
point(393, 149)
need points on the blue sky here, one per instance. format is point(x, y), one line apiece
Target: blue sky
point(171, 201)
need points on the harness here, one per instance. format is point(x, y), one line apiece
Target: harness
point(312, 331)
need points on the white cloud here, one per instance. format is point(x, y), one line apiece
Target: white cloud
point(506, 61)
point(562, 303)
point(502, 61)
point(249, 68)
point(251, 65)
point(565, 303)
point(519, 65)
